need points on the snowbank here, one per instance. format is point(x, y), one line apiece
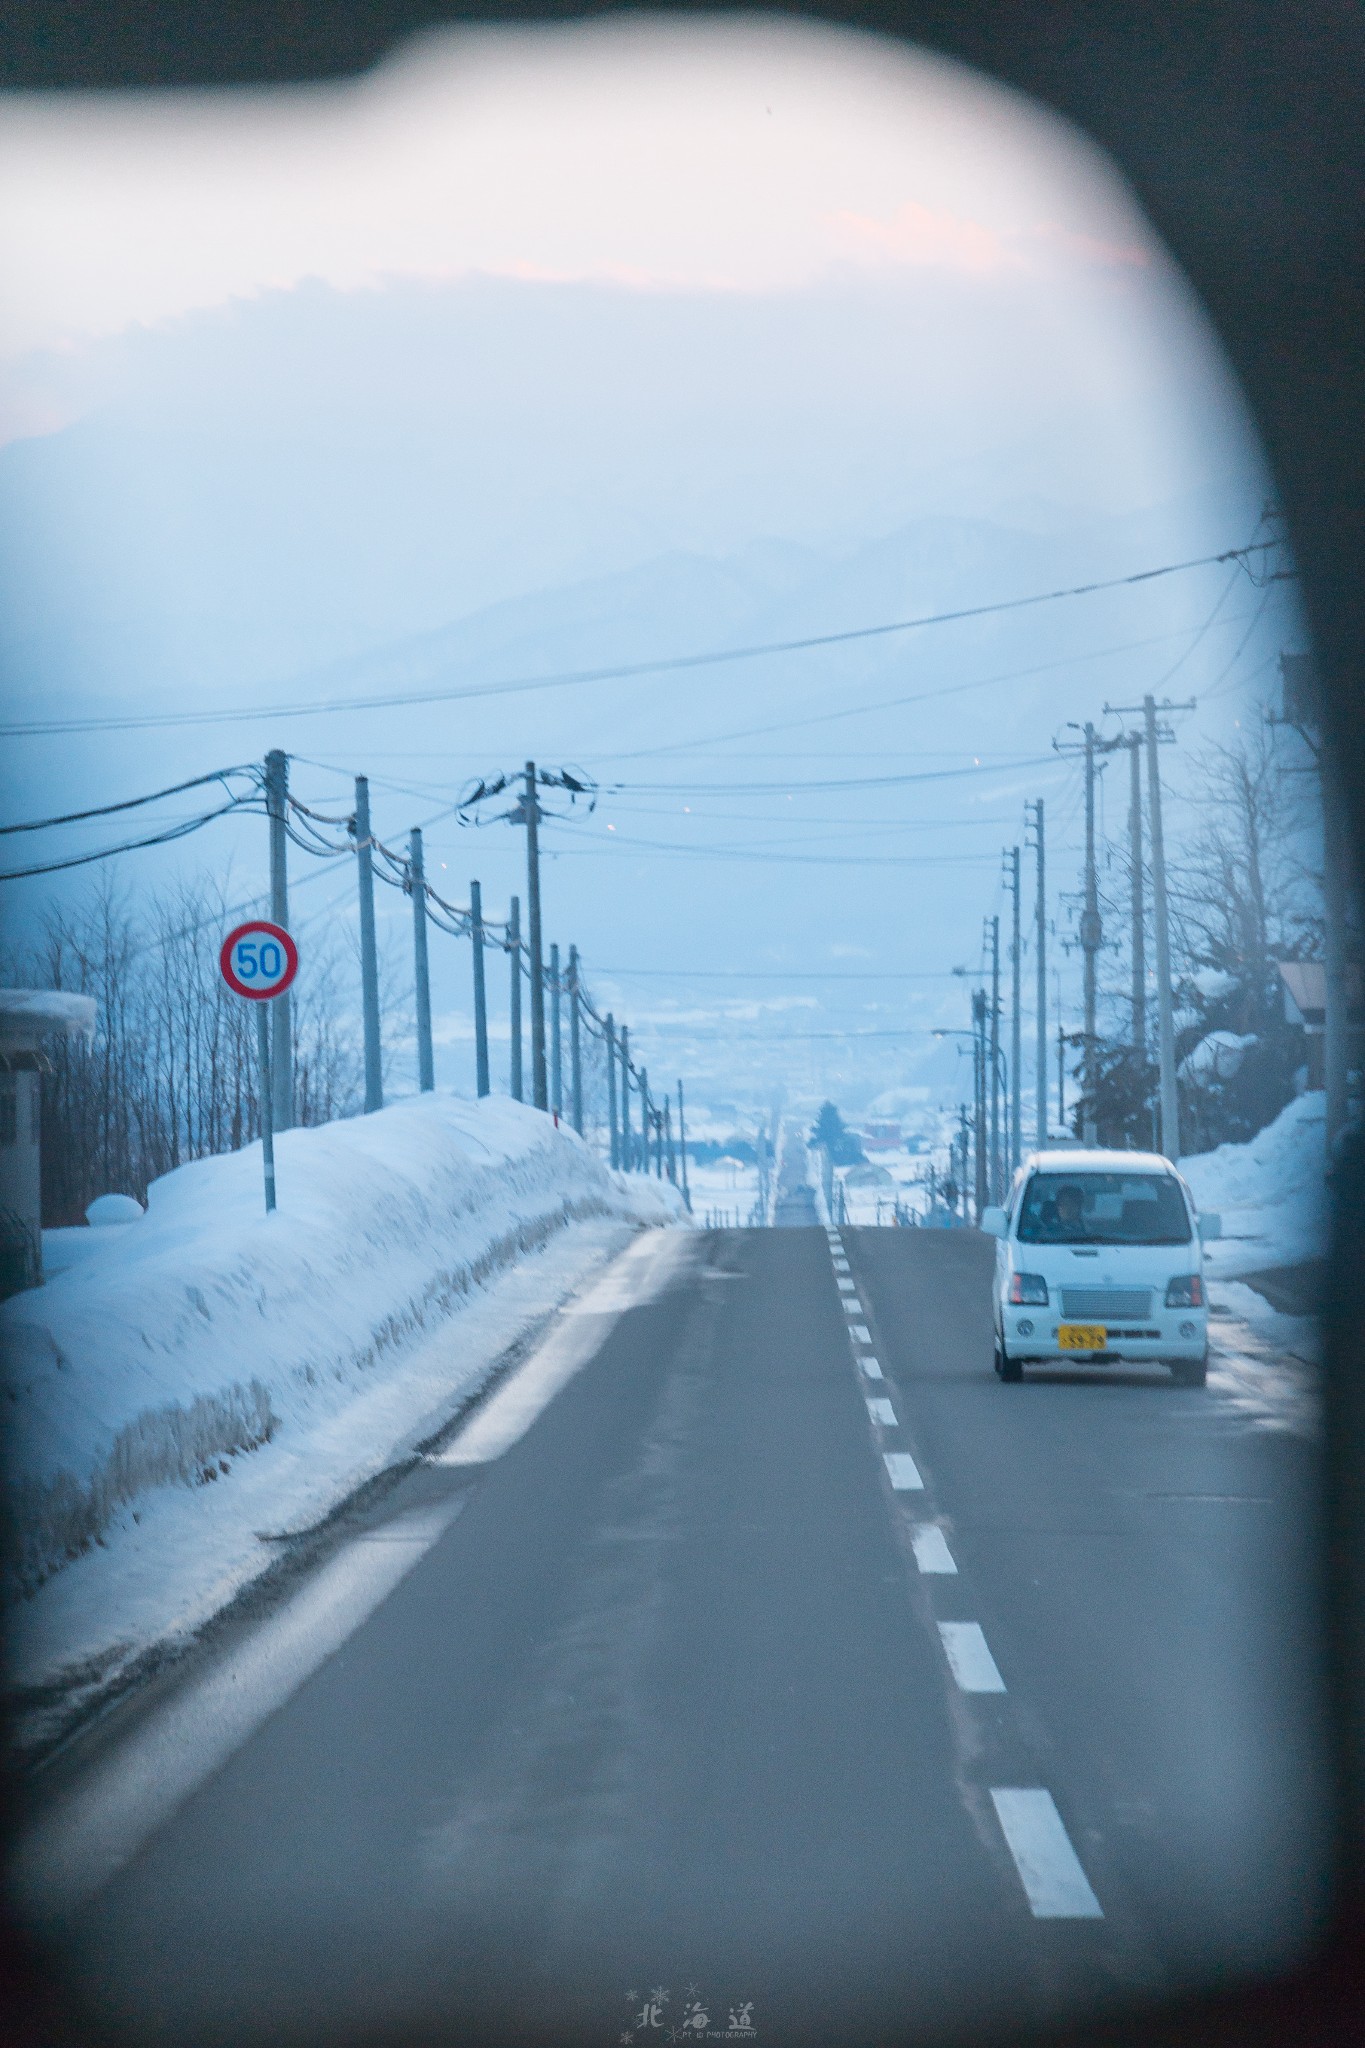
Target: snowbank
point(1271, 1192)
point(209, 1329)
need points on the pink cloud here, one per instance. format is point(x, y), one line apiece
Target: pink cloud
point(1091, 249)
point(917, 234)
point(921, 236)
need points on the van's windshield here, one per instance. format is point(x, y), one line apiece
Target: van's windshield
point(1103, 1208)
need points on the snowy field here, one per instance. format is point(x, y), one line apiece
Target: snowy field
point(723, 1193)
point(191, 1386)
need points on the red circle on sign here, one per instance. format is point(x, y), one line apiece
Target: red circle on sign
point(244, 971)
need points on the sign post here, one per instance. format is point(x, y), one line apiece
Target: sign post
point(259, 961)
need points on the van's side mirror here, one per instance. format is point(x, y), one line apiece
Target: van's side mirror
point(1210, 1227)
point(994, 1222)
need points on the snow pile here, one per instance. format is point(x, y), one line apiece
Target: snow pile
point(208, 1328)
point(1271, 1192)
point(1217, 1057)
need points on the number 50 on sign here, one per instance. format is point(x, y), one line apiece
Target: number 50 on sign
point(259, 960)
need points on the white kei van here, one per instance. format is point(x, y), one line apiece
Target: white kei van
point(1100, 1260)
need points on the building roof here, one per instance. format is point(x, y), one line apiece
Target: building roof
point(30, 1014)
point(1305, 983)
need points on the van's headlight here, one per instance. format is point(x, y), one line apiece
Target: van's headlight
point(1030, 1288)
point(1187, 1292)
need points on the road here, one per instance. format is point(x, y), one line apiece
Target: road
point(685, 1698)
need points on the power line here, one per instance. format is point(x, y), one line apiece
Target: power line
point(133, 803)
point(733, 853)
point(749, 732)
point(783, 974)
point(661, 665)
point(180, 831)
point(1001, 766)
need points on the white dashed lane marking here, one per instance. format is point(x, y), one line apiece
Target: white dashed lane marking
point(930, 1546)
point(969, 1657)
point(1049, 1868)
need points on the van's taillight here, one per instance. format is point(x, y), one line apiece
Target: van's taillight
point(1028, 1287)
point(1187, 1292)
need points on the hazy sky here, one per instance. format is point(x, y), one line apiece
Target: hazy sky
point(728, 157)
point(584, 335)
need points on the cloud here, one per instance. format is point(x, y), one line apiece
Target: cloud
point(1092, 250)
point(922, 236)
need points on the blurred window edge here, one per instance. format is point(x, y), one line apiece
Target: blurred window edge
point(1238, 127)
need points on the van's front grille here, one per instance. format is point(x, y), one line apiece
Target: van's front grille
point(1103, 1303)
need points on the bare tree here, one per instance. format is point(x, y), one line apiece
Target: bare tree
point(171, 1074)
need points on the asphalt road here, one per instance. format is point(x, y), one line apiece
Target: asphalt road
point(686, 1699)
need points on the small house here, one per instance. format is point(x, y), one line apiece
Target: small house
point(28, 1018)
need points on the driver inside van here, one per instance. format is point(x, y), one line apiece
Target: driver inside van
point(1067, 1212)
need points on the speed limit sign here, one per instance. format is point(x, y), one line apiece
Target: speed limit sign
point(259, 960)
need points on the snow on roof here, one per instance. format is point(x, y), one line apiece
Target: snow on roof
point(27, 1013)
point(1095, 1159)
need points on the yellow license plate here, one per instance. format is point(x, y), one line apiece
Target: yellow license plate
point(1082, 1336)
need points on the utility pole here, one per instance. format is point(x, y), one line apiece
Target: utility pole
point(1016, 1021)
point(575, 1046)
point(979, 1064)
point(527, 811)
point(1168, 1095)
point(1061, 1075)
point(626, 1147)
point(668, 1139)
point(480, 992)
point(1136, 895)
point(539, 1090)
point(514, 950)
point(369, 958)
point(556, 1055)
point(1302, 710)
point(1091, 925)
point(1165, 1023)
point(682, 1148)
point(995, 1060)
point(417, 885)
point(1040, 919)
point(643, 1085)
point(611, 1091)
point(1092, 932)
point(281, 1016)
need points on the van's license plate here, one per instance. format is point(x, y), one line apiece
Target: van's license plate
point(1082, 1336)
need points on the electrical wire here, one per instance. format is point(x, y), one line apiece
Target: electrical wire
point(924, 696)
point(1010, 764)
point(675, 850)
point(662, 665)
point(133, 803)
point(81, 860)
